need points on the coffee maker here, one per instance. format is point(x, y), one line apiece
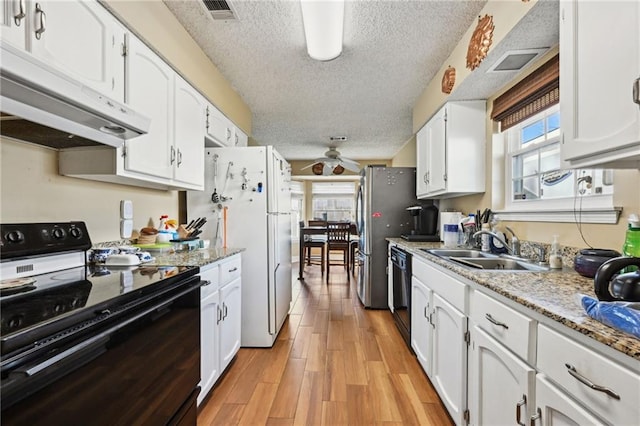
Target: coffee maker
point(425, 223)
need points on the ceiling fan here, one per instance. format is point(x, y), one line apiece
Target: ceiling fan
point(332, 163)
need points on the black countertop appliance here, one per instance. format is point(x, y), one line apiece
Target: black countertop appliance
point(425, 223)
point(91, 344)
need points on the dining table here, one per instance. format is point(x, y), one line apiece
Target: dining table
point(306, 230)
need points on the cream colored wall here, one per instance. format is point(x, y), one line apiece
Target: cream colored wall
point(31, 190)
point(152, 20)
point(506, 14)
point(406, 157)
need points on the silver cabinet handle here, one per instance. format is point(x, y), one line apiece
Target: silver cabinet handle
point(519, 405)
point(572, 370)
point(535, 417)
point(236, 139)
point(205, 283)
point(224, 306)
point(179, 157)
point(233, 269)
point(228, 134)
point(219, 314)
point(173, 155)
point(424, 178)
point(636, 91)
point(496, 322)
point(43, 21)
point(18, 17)
point(425, 313)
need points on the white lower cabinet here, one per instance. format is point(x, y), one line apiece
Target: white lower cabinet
point(438, 334)
point(421, 326)
point(220, 320)
point(556, 408)
point(449, 366)
point(501, 385)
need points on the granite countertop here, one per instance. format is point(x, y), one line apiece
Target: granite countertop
point(200, 257)
point(552, 294)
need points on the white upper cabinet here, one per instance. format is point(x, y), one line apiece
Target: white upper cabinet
point(219, 129)
point(13, 22)
point(149, 90)
point(79, 38)
point(599, 68)
point(450, 150)
point(188, 155)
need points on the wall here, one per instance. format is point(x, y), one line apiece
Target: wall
point(32, 191)
point(154, 23)
point(406, 156)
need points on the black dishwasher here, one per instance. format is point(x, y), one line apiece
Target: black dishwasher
point(401, 278)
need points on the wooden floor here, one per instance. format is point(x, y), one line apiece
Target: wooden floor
point(333, 363)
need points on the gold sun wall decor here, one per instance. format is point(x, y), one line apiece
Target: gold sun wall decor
point(448, 79)
point(480, 42)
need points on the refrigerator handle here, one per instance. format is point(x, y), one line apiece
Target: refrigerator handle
point(272, 318)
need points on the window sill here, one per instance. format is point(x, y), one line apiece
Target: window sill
point(603, 216)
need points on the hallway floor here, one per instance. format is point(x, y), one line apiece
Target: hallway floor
point(333, 363)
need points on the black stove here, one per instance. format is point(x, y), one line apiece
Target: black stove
point(63, 320)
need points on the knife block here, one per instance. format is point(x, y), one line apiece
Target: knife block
point(182, 231)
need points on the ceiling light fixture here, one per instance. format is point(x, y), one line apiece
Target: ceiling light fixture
point(323, 27)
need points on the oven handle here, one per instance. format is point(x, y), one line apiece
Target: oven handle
point(95, 346)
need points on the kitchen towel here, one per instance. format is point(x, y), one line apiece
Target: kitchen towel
point(623, 316)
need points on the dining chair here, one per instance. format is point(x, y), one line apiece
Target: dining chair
point(315, 241)
point(338, 240)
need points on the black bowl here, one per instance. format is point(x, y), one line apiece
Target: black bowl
point(587, 262)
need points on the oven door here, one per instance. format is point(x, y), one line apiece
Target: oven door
point(143, 368)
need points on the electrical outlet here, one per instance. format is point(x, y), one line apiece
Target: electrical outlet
point(126, 209)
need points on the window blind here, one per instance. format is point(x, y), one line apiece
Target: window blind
point(536, 92)
point(333, 188)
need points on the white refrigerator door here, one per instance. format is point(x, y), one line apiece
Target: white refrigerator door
point(279, 226)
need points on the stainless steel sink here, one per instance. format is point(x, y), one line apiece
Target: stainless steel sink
point(459, 253)
point(499, 264)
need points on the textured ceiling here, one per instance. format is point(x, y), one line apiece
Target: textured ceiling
point(392, 49)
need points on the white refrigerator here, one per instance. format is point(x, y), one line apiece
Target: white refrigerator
point(253, 184)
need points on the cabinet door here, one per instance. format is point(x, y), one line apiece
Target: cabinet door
point(81, 39)
point(240, 138)
point(422, 160)
point(556, 408)
point(209, 343)
point(449, 366)
point(421, 328)
point(149, 89)
point(231, 324)
point(189, 110)
point(500, 384)
point(437, 146)
point(14, 22)
point(596, 104)
point(219, 128)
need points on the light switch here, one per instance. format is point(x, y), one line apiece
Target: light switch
point(126, 209)
point(126, 228)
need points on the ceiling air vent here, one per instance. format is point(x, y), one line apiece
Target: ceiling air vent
point(220, 10)
point(515, 60)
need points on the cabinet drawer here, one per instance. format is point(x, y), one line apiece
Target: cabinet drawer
point(556, 351)
point(451, 290)
point(230, 269)
point(511, 328)
point(211, 275)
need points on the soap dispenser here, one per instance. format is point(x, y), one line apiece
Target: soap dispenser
point(555, 256)
point(631, 245)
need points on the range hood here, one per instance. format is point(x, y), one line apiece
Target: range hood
point(37, 94)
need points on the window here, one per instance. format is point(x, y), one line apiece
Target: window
point(333, 201)
point(537, 173)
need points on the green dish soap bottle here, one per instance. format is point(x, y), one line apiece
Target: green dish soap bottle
point(631, 245)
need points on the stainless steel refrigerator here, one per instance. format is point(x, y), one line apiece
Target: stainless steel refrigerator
point(381, 203)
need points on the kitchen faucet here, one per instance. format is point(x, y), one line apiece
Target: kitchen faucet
point(497, 237)
point(515, 242)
